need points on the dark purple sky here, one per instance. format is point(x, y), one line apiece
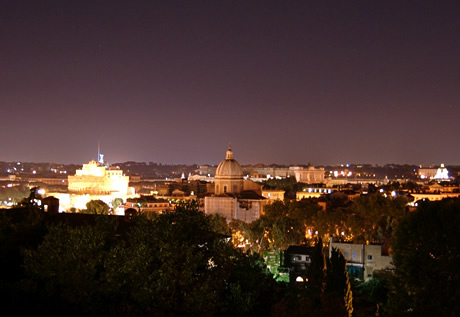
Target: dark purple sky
point(285, 82)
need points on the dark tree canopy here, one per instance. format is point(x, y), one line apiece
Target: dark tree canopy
point(179, 263)
point(426, 254)
point(97, 207)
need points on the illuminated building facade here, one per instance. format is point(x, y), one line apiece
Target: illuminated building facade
point(229, 175)
point(273, 194)
point(440, 174)
point(308, 175)
point(230, 199)
point(363, 259)
point(94, 178)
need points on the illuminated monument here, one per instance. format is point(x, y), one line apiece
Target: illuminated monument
point(442, 174)
point(96, 179)
point(229, 175)
point(431, 173)
point(231, 200)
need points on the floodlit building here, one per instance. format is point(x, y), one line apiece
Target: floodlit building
point(230, 199)
point(147, 205)
point(363, 259)
point(273, 194)
point(309, 174)
point(441, 173)
point(313, 192)
point(94, 178)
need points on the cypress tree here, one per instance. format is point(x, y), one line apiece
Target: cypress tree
point(338, 286)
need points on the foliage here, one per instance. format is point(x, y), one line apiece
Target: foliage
point(375, 291)
point(337, 282)
point(288, 184)
point(96, 207)
point(70, 263)
point(175, 264)
point(316, 274)
point(426, 253)
point(116, 203)
point(283, 224)
point(32, 200)
point(368, 218)
point(374, 217)
point(14, 194)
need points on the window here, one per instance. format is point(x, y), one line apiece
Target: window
point(353, 255)
point(225, 188)
point(369, 256)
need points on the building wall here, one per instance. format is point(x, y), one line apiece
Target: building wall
point(309, 175)
point(273, 195)
point(249, 210)
point(306, 195)
point(427, 173)
point(253, 186)
point(246, 210)
point(224, 206)
point(228, 185)
point(368, 256)
point(434, 197)
point(95, 179)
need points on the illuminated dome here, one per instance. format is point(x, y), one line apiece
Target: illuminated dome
point(442, 173)
point(229, 166)
point(229, 175)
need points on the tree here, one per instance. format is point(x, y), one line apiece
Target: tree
point(426, 253)
point(32, 200)
point(337, 283)
point(175, 264)
point(116, 203)
point(374, 292)
point(282, 225)
point(316, 274)
point(374, 217)
point(97, 207)
point(68, 267)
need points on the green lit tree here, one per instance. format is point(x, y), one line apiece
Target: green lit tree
point(116, 203)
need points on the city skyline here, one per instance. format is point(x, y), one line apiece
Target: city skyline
point(176, 82)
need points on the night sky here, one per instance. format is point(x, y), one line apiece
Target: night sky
point(287, 82)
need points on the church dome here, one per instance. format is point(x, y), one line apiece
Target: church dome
point(229, 167)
